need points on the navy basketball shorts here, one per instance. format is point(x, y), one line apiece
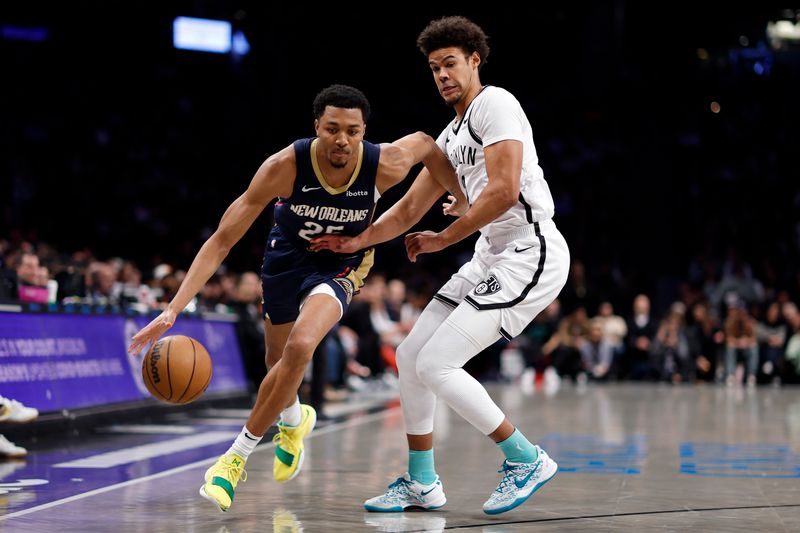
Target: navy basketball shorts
point(289, 273)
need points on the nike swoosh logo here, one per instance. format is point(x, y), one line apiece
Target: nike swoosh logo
point(249, 437)
point(306, 189)
point(522, 482)
point(518, 250)
point(426, 492)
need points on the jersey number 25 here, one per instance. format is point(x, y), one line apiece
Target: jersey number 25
point(314, 229)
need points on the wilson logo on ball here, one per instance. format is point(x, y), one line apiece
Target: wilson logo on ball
point(177, 369)
point(154, 362)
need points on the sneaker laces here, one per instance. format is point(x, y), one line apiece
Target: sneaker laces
point(508, 477)
point(398, 487)
point(286, 443)
point(234, 473)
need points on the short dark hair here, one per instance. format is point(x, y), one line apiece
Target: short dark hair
point(454, 31)
point(342, 96)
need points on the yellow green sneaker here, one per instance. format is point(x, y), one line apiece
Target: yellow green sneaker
point(221, 480)
point(289, 445)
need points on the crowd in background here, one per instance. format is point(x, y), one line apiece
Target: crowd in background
point(663, 148)
point(731, 328)
point(669, 145)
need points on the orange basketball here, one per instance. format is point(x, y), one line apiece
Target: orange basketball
point(176, 369)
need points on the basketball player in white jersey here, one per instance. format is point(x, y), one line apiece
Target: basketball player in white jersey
point(520, 264)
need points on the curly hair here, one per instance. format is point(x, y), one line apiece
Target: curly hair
point(342, 96)
point(454, 31)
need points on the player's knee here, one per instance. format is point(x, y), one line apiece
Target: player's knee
point(430, 369)
point(406, 359)
point(298, 352)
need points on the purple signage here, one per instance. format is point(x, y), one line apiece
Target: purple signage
point(55, 362)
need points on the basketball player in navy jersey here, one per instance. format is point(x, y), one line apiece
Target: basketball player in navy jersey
point(323, 185)
point(520, 265)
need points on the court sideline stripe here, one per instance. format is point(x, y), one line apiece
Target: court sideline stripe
point(328, 429)
point(617, 515)
point(133, 454)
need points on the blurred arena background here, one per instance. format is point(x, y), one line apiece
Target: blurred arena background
point(666, 138)
point(669, 139)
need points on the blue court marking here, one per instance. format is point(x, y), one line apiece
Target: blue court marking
point(22, 492)
point(590, 454)
point(66, 482)
point(713, 459)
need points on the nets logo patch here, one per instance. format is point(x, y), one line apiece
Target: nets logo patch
point(347, 285)
point(490, 286)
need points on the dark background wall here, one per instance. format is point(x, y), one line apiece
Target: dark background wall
point(113, 140)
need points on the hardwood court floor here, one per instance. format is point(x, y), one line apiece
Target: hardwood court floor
point(632, 458)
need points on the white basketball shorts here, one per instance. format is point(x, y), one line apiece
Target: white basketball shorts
point(519, 272)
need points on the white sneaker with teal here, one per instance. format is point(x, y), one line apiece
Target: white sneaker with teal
point(520, 480)
point(406, 493)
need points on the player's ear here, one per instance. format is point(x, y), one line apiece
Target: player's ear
point(316, 126)
point(475, 59)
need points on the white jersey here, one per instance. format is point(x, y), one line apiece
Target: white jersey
point(493, 116)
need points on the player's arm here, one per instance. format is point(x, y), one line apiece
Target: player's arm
point(399, 157)
point(274, 178)
point(402, 215)
point(503, 170)
point(396, 161)
point(406, 212)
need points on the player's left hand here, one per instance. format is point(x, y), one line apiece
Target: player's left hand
point(152, 331)
point(335, 243)
point(423, 242)
point(454, 207)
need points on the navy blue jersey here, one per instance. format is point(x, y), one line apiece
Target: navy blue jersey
point(315, 208)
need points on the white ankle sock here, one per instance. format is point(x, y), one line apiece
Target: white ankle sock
point(292, 415)
point(244, 444)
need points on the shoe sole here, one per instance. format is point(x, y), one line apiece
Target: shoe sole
point(303, 451)
point(519, 501)
point(372, 509)
point(398, 509)
point(20, 420)
point(19, 455)
point(212, 500)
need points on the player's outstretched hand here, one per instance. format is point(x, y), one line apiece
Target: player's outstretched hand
point(453, 208)
point(152, 331)
point(335, 243)
point(423, 242)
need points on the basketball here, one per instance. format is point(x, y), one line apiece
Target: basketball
point(176, 369)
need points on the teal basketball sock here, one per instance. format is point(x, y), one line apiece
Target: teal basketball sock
point(518, 449)
point(420, 466)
